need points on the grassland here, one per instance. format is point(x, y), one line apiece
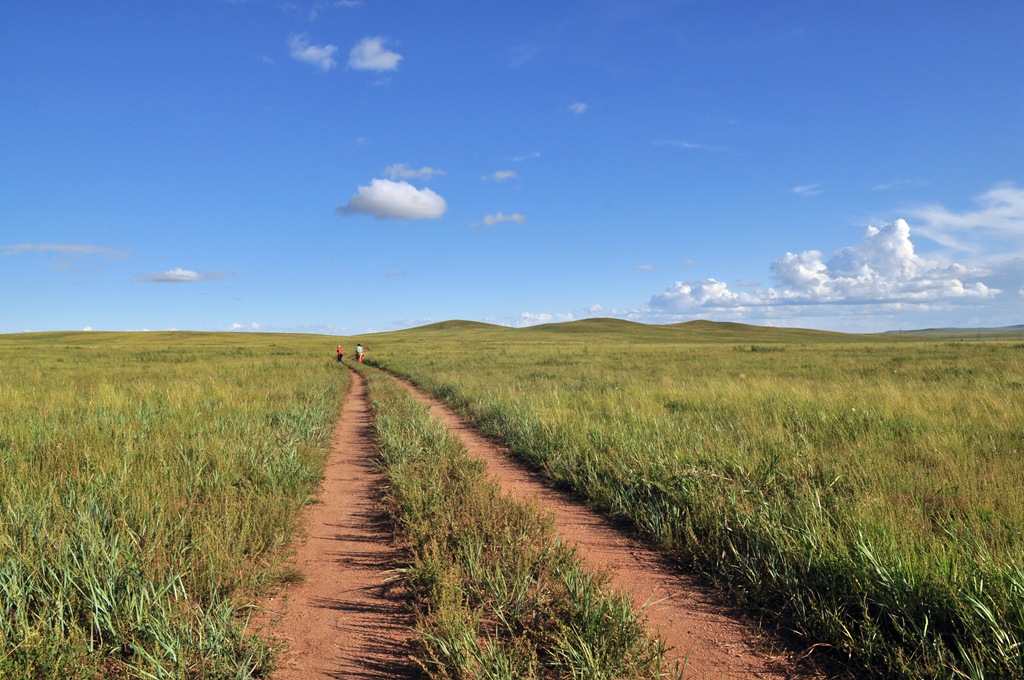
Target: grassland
point(495, 592)
point(149, 483)
point(867, 491)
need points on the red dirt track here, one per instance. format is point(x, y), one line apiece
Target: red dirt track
point(340, 621)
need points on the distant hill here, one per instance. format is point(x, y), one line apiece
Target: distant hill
point(701, 331)
point(589, 326)
point(965, 333)
point(458, 324)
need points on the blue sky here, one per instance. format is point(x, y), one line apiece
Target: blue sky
point(363, 165)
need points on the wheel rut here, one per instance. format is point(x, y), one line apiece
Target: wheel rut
point(341, 621)
point(708, 638)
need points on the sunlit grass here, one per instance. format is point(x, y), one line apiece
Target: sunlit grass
point(496, 594)
point(867, 491)
point(149, 483)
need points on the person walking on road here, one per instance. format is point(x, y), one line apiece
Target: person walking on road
point(359, 353)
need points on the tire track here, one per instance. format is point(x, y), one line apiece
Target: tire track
point(708, 638)
point(341, 621)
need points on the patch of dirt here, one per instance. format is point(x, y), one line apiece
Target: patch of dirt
point(341, 620)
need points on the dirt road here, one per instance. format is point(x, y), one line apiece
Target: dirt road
point(340, 623)
point(340, 620)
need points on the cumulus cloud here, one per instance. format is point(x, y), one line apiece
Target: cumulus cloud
point(535, 318)
point(179, 275)
point(321, 56)
point(402, 171)
point(386, 199)
point(371, 55)
point(500, 176)
point(579, 108)
point(882, 269)
point(498, 218)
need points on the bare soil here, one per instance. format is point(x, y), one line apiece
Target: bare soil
point(341, 621)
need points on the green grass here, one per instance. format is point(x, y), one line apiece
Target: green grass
point(865, 490)
point(149, 484)
point(496, 594)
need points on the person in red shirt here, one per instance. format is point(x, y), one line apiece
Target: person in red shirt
point(341, 353)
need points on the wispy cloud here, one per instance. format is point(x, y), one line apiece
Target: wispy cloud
point(321, 56)
point(579, 108)
point(64, 256)
point(498, 218)
point(997, 224)
point(525, 157)
point(500, 176)
point(688, 146)
point(371, 55)
point(808, 190)
point(899, 184)
point(66, 249)
point(386, 199)
point(402, 171)
point(523, 54)
point(180, 275)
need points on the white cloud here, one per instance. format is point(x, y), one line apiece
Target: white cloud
point(321, 56)
point(501, 175)
point(899, 184)
point(65, 249)
point(498, 218)
point(524, 54)
point(371, 55)
point(402, 171)
point(689, 146)
point(535, 318)
point(882, 269)
point(525, 157)
point(998, 224)
point(808, 190)
point(180, 275)
point(645, 267)
point(64, 257)
point(579, 108)
point(386, 199)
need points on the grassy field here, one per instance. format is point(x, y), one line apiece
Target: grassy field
point(495, 592)
point(865, 490)
point(149, 482)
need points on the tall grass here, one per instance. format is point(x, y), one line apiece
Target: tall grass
point(149, 483)
point(497, 595)
point(866, 491)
